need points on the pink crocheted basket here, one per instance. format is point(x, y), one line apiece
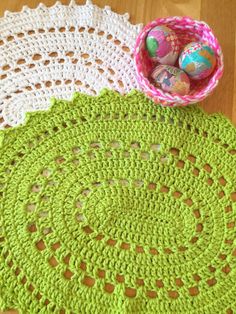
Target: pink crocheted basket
point(187, 30)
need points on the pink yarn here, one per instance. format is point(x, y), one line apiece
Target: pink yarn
point(187, 30)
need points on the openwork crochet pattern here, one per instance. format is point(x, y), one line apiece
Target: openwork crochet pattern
point(55, 51)
point(110, 204)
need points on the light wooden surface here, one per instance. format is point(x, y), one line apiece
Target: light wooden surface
point(219, 14)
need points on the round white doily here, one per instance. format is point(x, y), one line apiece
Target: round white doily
point(55, 51)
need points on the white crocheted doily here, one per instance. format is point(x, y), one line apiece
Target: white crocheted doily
point(55, 51)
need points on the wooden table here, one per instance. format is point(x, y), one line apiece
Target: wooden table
point(219, 14)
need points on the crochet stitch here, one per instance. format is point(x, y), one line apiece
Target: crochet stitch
point(111, 204)
point(55, 51)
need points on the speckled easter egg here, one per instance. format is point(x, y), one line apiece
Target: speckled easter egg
point(198, 60)
point(171, 79)
point(162, 45)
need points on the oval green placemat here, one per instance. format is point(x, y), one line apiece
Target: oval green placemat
point(111, 204)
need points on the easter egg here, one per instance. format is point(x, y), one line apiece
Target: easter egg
point(197, 60)
point(162, 45)
point(171, 79)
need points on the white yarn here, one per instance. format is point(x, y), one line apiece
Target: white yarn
point(55, 51)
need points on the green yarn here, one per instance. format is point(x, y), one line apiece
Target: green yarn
point(111, 204)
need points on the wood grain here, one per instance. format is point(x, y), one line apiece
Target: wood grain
point(219, 14)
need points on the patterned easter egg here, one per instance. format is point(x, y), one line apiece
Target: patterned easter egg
point(171, 79)
point(162, 45)
point(198, 60)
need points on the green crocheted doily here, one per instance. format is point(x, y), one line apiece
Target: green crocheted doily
point(111, 204)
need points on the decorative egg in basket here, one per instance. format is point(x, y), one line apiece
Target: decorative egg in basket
point(198, 60)
point(162, 45)
point(188, 31)
point(171, 79)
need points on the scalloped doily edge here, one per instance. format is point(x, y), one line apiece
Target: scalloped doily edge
point(214, 118)
point(25, 8)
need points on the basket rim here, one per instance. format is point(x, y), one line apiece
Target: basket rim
point(154, 92)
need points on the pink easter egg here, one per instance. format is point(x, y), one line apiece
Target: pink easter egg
point(171, 79)
point(162, 45)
